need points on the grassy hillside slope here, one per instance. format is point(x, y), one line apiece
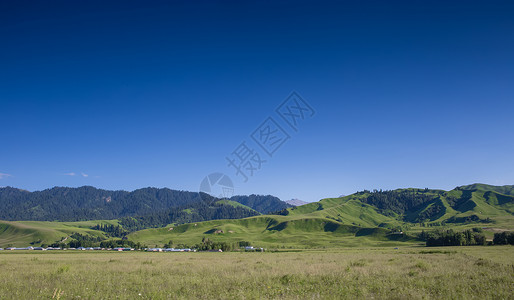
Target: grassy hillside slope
point(333, 222)
point(236, 204)
point(505, 189)
point(23, 233)
point(269, 231)
point(350, 221)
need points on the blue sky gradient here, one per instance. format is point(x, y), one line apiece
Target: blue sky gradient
point(131, 94)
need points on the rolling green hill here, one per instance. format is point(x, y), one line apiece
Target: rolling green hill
point(270, 231)
point(367, 218)
point(506, 189)
point(25, 233)
point(362, 219)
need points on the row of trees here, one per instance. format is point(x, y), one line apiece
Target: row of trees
point(398, 201)
point(464, 220)
point(196, 212)
point(504, 238)
point(468, 219)
point(77, 240)
point(471, 237)
point(121, 243)
point(112, 230)
point(207, 245)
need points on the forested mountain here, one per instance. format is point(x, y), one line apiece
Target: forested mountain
point(89, 203)
point(210, 209)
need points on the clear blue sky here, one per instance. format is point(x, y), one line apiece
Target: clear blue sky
point(131, 94)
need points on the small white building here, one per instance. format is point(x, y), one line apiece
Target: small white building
point(154, 250)
point(27, 248)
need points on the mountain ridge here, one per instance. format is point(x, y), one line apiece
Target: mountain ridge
point(90, 203)
point(296, 202)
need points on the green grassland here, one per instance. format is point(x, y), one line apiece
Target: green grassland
point(355, 273)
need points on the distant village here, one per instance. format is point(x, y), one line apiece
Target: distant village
point(121, 249)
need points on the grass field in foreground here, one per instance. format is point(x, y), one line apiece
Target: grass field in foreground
point(407, 273)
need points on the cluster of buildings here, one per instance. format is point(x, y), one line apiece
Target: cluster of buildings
point(30, 248)
point(105, 249)
point(79, 248)
point(169, 250)
point(249, 248)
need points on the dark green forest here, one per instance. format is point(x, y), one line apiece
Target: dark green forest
point(207, 209)
point(150, 206)
point(470, 237)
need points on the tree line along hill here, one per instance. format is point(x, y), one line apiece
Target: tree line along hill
point(142, 208)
